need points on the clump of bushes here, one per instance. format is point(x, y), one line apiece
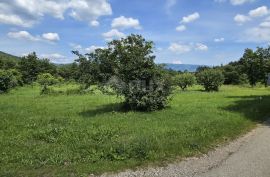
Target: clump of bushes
point(9, 79)
point(46, 80)
point(210, 79)
point(185, 80)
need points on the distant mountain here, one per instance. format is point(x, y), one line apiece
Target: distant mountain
point(182, 67)
point(9, 57)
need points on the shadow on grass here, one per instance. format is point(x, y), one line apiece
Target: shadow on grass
point(255, 108)
point(108, 108)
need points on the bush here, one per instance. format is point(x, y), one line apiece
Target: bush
point(185, 80)
point(46, 80)
point(210, 79)
point(143, 84)
point(8, 79)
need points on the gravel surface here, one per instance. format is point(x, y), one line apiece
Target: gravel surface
point(248, 156)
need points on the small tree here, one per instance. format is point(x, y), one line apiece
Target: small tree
point(46, 80)
point(210, 79)
point(185, 80)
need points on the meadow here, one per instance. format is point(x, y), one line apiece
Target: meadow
point(77, 135)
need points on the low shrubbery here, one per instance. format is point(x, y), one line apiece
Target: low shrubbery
point(46, 80)
point(9, 79)
point(210, 79)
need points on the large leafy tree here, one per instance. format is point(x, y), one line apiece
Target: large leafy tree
point(253, 66)
point(143, 84)
point(31, 66)
point(28, 66)
point(130, 61)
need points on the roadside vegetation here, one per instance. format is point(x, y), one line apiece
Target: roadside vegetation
point(115, 109)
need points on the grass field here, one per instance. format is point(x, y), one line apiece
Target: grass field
point(77, 135)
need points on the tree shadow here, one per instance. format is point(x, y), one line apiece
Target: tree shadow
point(255, 108)
point(108, 108)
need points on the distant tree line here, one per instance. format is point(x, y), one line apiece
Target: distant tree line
point(127, 65)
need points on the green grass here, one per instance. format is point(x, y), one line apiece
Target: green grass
point(77, 135)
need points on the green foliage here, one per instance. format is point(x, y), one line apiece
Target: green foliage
point(46, 80)
point(210, 79)
point(31, 66)
point(68, 71)
point(8, 61)
point(130, 63)
point(9, 79)
point(253, 65)
point(143, 84)
point(185, 80)
point(88, 69)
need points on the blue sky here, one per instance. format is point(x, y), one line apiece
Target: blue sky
point(210, 32)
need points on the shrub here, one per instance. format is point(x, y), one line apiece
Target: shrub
point(210, 79)
point(46, 80)
point(185, 80)
point(8, 80)
point(143, 84)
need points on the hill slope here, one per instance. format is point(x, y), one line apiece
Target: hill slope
point(6, 56)
point(182, 67)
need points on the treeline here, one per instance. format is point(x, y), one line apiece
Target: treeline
point(127, 66)
point(253, 67)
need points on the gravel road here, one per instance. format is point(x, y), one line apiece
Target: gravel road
point(248, 156)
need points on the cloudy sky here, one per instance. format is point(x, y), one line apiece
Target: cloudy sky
point(208, 32)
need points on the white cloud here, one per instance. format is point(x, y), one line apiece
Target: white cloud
point(169, 4)
point(179, 48)
point(257, 35)
point(178, 62)
point(55, 58)
point(75, 46)
point(53, 37)
point(23, 35)
point(26, 13)
point(94, 23)
point(235, 2)
point(219, 39)
point(15, 20)
point(185, 48)
point(93, 48)
point(89, 10)
point(190, 18)
point(259, 12)
point(265, 24)
point(124, 23)
point(202, 47)
point(240, 19)
point(240, 2)
point(220, 1)
point(113, 34)
point(181, 28)
point(50, 37)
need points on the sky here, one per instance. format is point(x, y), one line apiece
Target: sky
point(205, 32)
